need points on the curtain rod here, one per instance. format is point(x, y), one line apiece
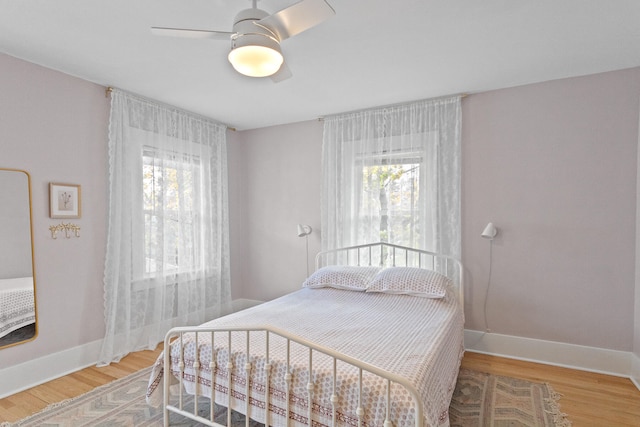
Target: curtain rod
point(109, 90)
point(461, 95)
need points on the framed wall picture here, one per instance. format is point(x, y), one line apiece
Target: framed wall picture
point(64, 200)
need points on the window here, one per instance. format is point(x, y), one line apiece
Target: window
point(393, 174)
point(167, 257)
point(391, 203)
point(170, 183)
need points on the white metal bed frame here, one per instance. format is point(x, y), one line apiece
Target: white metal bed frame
point(383, 254)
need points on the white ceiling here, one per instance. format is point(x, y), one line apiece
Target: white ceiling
point(371, 53)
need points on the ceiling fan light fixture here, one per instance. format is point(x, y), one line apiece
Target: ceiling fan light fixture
point(256, 55)
point(256, 36)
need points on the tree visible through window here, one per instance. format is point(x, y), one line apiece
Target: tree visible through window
point(391, 204)
point(169, 214)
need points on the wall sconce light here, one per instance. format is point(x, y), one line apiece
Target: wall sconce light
point(304, 230)
point(490, 231)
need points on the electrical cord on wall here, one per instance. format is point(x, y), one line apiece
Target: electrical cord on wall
point(486, 294)
point(306, 238)
point(304, 231)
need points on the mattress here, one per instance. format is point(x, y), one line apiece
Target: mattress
point(17, 304)
point(420, 339)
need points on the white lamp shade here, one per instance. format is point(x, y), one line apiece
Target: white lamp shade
point(490, 231)
point(255, 55)
point(304, 230)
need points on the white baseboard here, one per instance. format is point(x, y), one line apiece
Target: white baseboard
point(29, 374)
point(635, 370)
point(593, 359)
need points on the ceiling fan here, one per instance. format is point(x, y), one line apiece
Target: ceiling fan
point(256, 36)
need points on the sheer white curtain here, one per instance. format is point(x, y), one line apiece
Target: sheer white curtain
point(393, 174)
point(167, 261)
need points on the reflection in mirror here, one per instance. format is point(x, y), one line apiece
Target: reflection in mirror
point(17, 272)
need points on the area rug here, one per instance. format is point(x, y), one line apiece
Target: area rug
point(479, 399)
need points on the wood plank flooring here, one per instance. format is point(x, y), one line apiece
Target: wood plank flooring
point(588, 399)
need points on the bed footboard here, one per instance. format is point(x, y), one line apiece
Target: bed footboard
point(243, 369)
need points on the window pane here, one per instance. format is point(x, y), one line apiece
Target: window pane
point(391, 202)
point(169, 186)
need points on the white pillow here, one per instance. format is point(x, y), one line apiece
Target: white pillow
point(342, 277)
point(411, 281)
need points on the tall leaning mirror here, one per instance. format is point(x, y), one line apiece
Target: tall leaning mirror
point(17, 269)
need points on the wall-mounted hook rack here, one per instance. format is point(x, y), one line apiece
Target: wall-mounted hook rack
point(69, 229)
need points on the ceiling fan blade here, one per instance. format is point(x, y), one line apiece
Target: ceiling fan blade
point(297, 18)
point(198, 34)
point(282, 74)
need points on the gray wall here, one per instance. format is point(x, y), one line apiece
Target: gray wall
point(636, 329)
point(54, 126)
point(275, 183)
point(552, 164)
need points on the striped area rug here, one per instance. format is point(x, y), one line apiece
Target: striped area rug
point(480, 399)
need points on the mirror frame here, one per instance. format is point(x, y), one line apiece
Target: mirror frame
point(33, 260)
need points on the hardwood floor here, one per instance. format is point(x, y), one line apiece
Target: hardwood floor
point(588, 399)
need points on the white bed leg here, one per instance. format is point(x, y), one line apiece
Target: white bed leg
point(247, 370)
point(166, 381)
point(310, 388)
point(267, 390)
point(387, 422)
point(212, 367)
point(229, 382)
point(334, 396)
point(287, 380)
point(196, 370)
point(359, 410)
point(181, 366)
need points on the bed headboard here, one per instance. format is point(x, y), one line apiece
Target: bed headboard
point(390, 255)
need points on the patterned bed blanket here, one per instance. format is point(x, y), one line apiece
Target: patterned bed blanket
point(417, 338)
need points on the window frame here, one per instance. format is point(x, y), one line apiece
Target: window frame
point(141, 276)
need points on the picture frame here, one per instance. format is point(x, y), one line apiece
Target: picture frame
point(65, 200)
